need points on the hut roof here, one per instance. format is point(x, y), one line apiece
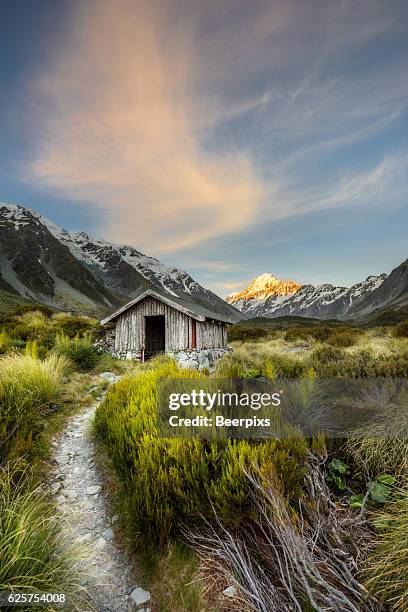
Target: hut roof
point(188, 306)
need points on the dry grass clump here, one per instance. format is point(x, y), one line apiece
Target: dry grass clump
point(287, 558)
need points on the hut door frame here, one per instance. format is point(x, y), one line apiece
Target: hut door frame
point(155, 334)
point(193, 334)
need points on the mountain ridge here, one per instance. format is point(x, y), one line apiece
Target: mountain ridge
point(327, 301)
point(42, 261)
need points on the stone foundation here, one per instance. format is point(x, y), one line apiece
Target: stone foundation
point(199, 359)
point(107, 343)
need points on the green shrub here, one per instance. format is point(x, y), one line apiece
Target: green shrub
point(321, 333)
point(166, 482)
point(80, 350)
point(327, 354)
point(246, 332)
point(401, 330)
point(34, 556)
point(72, 326)
point(332, 362)
point(343, 338)
point(25, 308)
point(28, 387)
point(299, 332)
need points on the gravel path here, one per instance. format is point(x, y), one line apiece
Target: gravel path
point(78, 489)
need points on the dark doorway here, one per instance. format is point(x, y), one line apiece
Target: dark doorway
point(154, 335)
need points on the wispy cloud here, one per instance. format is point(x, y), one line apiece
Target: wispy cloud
point(183, 122)
point(122, 133)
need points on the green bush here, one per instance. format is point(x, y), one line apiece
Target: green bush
point(244, 333)
point(298, 332)
point(166, 482)
point(401, 330)
point(79, 349)
point(41, 325)
point(332, 362)
point(25, 308)
point(326, 354)
point(343, 338)
point(72, 326)
point(34, 557)
point(28, 387)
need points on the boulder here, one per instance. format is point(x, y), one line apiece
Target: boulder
point(230, 591)
point(110, 377)
point(139, 597)
point(93, 490)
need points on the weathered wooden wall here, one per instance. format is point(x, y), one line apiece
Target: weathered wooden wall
point(130, 328)
point(211, 334)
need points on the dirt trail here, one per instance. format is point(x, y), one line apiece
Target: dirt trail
point(78, 489)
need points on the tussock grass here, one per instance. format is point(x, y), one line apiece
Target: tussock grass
point(382, 446)
point(343, 338)
point(28, 387)
point(172, 579)
point(5, 342)
point(251, 360)
point(79, 350)
point(260, 360)
point(386, 571)
point(34, 320)
point(33, 554)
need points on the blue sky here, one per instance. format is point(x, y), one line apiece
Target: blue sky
point(229, 139)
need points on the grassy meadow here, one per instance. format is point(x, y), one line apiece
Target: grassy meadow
point(289, 524)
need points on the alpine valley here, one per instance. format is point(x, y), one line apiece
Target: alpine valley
point(42, 262)
point(45, 263)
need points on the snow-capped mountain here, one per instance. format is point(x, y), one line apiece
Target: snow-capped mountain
point(45, 262)
point(323, 301)
point(260, 289)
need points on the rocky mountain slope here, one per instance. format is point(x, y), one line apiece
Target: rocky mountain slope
point(326, 301)
point(41, 261)
point(392, 293)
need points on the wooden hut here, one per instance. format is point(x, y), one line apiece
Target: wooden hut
point(154, 323)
